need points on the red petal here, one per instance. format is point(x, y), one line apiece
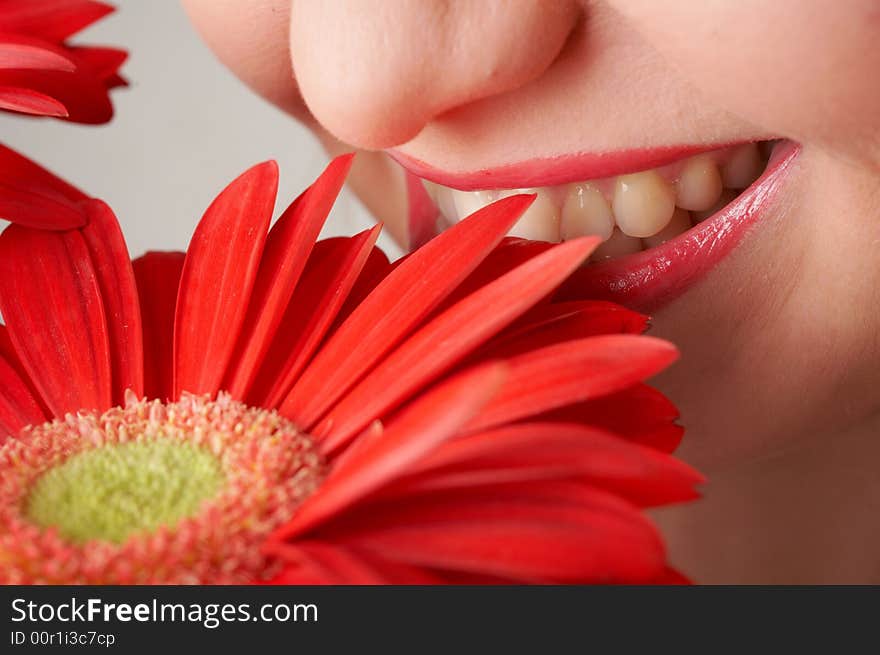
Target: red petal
point(327, 280)
point(18, 406)
point(376, 269)
point(27, 101)
point(115, 81)
point(287, 250)
point(82, 93)
point(218, 275)
point(570, 320)
point(387, 453)
point(595, 366)
point(50, 298)
point(17, 51)
point(158, 279)
point(38, 211)
point(333, 564)
point(535, 451)
point(397, 305)
point(639, 413)
point(544, 533)
point(297, 574)
point(448, 338)
point(53, 20)
point(103, 62)
point(327, 563)
point(511, 253)
point(7, 352)
point(32, 196)
point(120, 297)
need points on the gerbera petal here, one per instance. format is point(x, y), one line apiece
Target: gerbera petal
point(287, 250)
point(397, 305)
point(21, 174)
point(51, 302)
point(53, 20)
point(18, 406)
point(511, 253)
point(335, 564)
point(120, 297)
point(376, 268)
point(103, 62)
point(386, 453)
point(30, 195)
point(327, 563)
point(544, 534)
point(556, 322)
point(594, 367)
point(7, 352)
point(329, 276)
point(218, 276)
point(448, 338)
point(158, 279)
point(28, 101)
point(639, 413)
point(22, 52)
point(81, 93)
point(535, 451)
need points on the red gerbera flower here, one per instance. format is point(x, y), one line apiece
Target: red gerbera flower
point(42, 74)
point(319, 414)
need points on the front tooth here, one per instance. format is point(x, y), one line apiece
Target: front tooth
point(445, 201)
point(617, 245)
point(699, 184)
point(540, 222)
point(467, 202)
point(431, 189)
point(585, 212)
point(680, 223)
point(643, 203)
point(743, 167)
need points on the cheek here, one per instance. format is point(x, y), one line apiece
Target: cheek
point(784, 345)
point(799, 68)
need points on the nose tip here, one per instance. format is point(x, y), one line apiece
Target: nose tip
point(375, 73)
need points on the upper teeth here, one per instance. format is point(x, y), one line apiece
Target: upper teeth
point(653, 205)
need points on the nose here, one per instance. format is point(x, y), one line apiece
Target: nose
point(375, 73)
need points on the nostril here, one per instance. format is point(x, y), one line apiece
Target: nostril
point(374, 74)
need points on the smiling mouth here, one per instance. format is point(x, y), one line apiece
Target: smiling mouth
point(662, 228)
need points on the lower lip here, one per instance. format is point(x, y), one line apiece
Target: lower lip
point(648, 280)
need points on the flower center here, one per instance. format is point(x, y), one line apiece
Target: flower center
point(149, 493)
point(115, 491)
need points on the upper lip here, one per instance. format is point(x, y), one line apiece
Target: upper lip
point(551, 171)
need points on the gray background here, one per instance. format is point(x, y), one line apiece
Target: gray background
point(183, 129)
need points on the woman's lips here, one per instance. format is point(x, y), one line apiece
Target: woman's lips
point(650, 279)
point(663, 229)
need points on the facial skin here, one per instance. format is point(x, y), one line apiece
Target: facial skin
point(778, 381)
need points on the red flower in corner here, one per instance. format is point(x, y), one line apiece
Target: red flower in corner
point(265, 408)
point(42, 74)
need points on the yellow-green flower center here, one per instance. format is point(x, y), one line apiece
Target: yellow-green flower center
point(118, 490)
point(185, 492)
